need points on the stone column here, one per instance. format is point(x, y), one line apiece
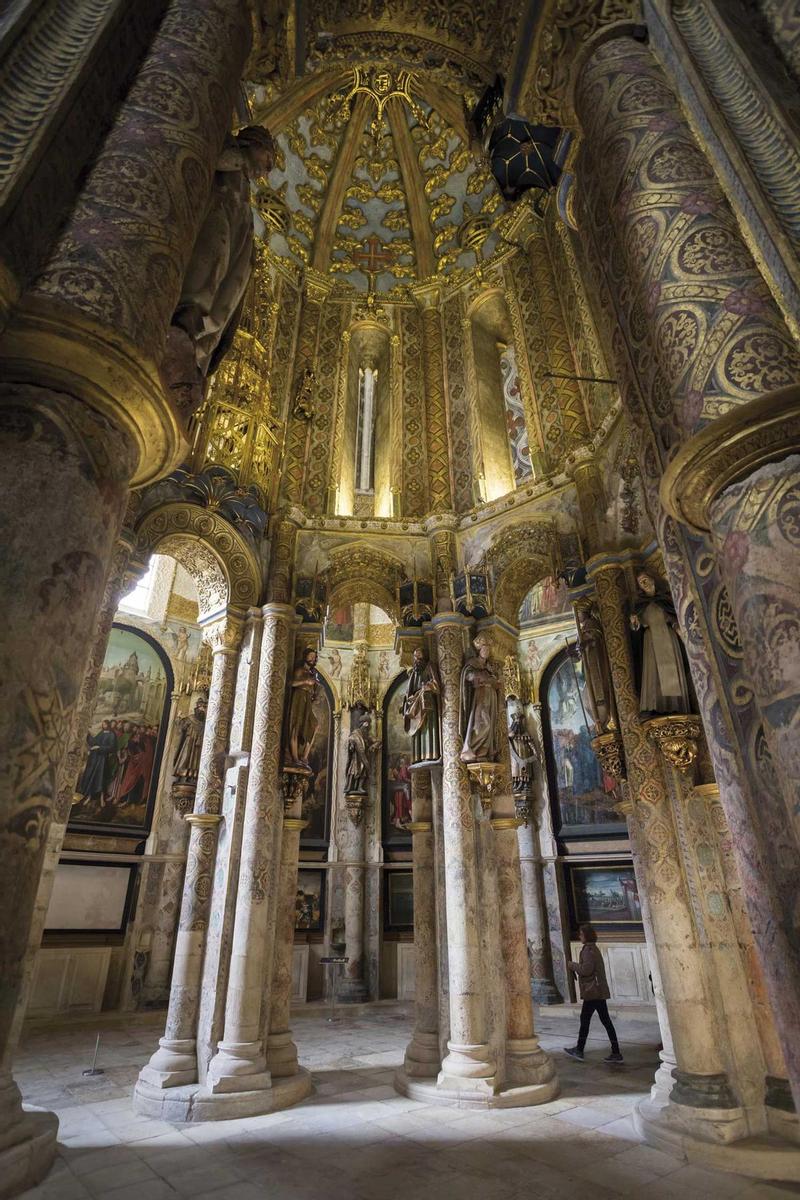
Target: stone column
point(701, 1080)
point(352, 988)
point(468, 1067)
point(281, 1050)
point(537, 930)
point(422, 1057)
point(240, 1064)
point(526, 1062)
point(175, 1061)
point(441, 492)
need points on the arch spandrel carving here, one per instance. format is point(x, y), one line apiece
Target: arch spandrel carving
point(219, 560)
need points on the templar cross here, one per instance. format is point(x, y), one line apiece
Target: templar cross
point(373, 258)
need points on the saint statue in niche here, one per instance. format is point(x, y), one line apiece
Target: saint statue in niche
point(599, 693)
point(420, 709)
point(664, 683)
point(221, 263)
point(522, 746)
point(360, 746)
point(481, 685)
point(190, 743)
point(302, 723)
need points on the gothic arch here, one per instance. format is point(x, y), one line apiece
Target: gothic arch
point(518, 558)
point(219, 560)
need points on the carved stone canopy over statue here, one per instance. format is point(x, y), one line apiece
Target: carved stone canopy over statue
point(420, 709)
point(360, 748)
point(481, 685)
point(221, 263)
point(664, 680)
point(599, 693)
point(301, 726)
point(524, 754)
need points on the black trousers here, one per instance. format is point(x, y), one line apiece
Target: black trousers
point(590, 1007)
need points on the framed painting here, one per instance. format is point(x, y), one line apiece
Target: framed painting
point(309, 905)
point(583, 796)
point(316, 806)
point(399, 900)
point(116, 788)
point(605, 894)
point(91, 897)
point(396, 783)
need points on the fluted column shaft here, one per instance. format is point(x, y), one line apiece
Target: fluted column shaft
point(175, 1062)
point(422, 1056)
point(468, 1064)
point(240, 1064)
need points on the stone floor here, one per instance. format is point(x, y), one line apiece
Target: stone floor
point(355, 1139)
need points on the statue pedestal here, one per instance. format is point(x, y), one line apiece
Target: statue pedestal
point(488, 777)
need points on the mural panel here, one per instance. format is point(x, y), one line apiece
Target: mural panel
point(606, 895)
point(399, 900)
point(396, 766)
point(583, 794)
point(116, 788)
point(316, 806)
point(547, 599)
point(309, 909)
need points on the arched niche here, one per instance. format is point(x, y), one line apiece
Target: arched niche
point(501, 420)
point(396, 782)
point(582, 795)
point(364, 485)
point(519, 558)
point(219, 560)
point(115, 791)
point(359, 574)
point(317, 804)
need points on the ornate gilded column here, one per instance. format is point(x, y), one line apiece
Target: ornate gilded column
point(422, 1057)
point(469, 1067)
point(441, 492)
point(175, 1061)
point(701, 1081)
point(316, 289)
point(708, 372)
point(281, 1050)
point(240, 1064)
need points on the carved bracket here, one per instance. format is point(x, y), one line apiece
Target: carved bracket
point(677, 737)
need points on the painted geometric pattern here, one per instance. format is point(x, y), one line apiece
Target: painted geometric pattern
point(436, 412)
point(320, 446)
point(459, 403)
point(415, 474)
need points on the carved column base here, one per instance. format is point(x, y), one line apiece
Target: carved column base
point(468, 1069)
point(27, 1141)
point(423, 1059)
point(351, 991)
point(527, 1065)
point(282, 1054)
point(238, 1067)
point(173, 1064)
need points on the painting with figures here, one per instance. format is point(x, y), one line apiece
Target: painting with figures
point(584, 794)
point(116, 788)
point(547, 599)
point(606, 895)
point(316, 806)
point(309, 902)
point(396, 766)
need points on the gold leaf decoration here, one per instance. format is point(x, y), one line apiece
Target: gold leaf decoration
point(395, 219)
point(352, 218)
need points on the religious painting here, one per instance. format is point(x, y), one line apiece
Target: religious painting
point(583, 795)
point(339, 623)
point(399, 900)
point(605, 895)
point(116, 788)
point(309, 905)
point(90, 897)
point(316, 806)
point(396, 766)
point(546, 600)
point(515, 417)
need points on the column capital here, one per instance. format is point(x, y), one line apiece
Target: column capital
point(419, 827)
point(450, 620)
point(278, 611)
point(224, 635)
point(428, 295)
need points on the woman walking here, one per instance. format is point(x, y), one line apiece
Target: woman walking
point(591, 975)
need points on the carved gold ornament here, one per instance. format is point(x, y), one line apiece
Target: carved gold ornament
point(379, 84)
point(354, 803)
point(488, 778)
point(609, 750)
point(677, 738)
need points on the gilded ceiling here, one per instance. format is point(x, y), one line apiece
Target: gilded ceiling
point(375, 182)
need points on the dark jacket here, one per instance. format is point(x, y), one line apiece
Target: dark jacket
point(591, 974)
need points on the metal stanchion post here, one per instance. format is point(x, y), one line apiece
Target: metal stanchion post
point(333, 963)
